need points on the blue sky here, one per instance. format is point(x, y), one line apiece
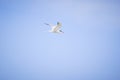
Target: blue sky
point(88, 50)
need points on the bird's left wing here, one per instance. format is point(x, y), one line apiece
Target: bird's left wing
point(48, 24)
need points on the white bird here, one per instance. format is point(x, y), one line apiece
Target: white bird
point(56, 28)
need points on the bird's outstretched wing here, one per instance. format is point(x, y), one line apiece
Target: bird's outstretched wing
point(48, 24)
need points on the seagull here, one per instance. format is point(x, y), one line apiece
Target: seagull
point(56, 28)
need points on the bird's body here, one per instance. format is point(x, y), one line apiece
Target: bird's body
point(56, 28)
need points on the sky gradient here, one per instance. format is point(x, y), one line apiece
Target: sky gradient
point(89, 49)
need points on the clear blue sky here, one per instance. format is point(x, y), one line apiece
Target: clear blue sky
point(88, 50)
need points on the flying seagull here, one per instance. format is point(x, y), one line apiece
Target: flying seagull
point(56, 28)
